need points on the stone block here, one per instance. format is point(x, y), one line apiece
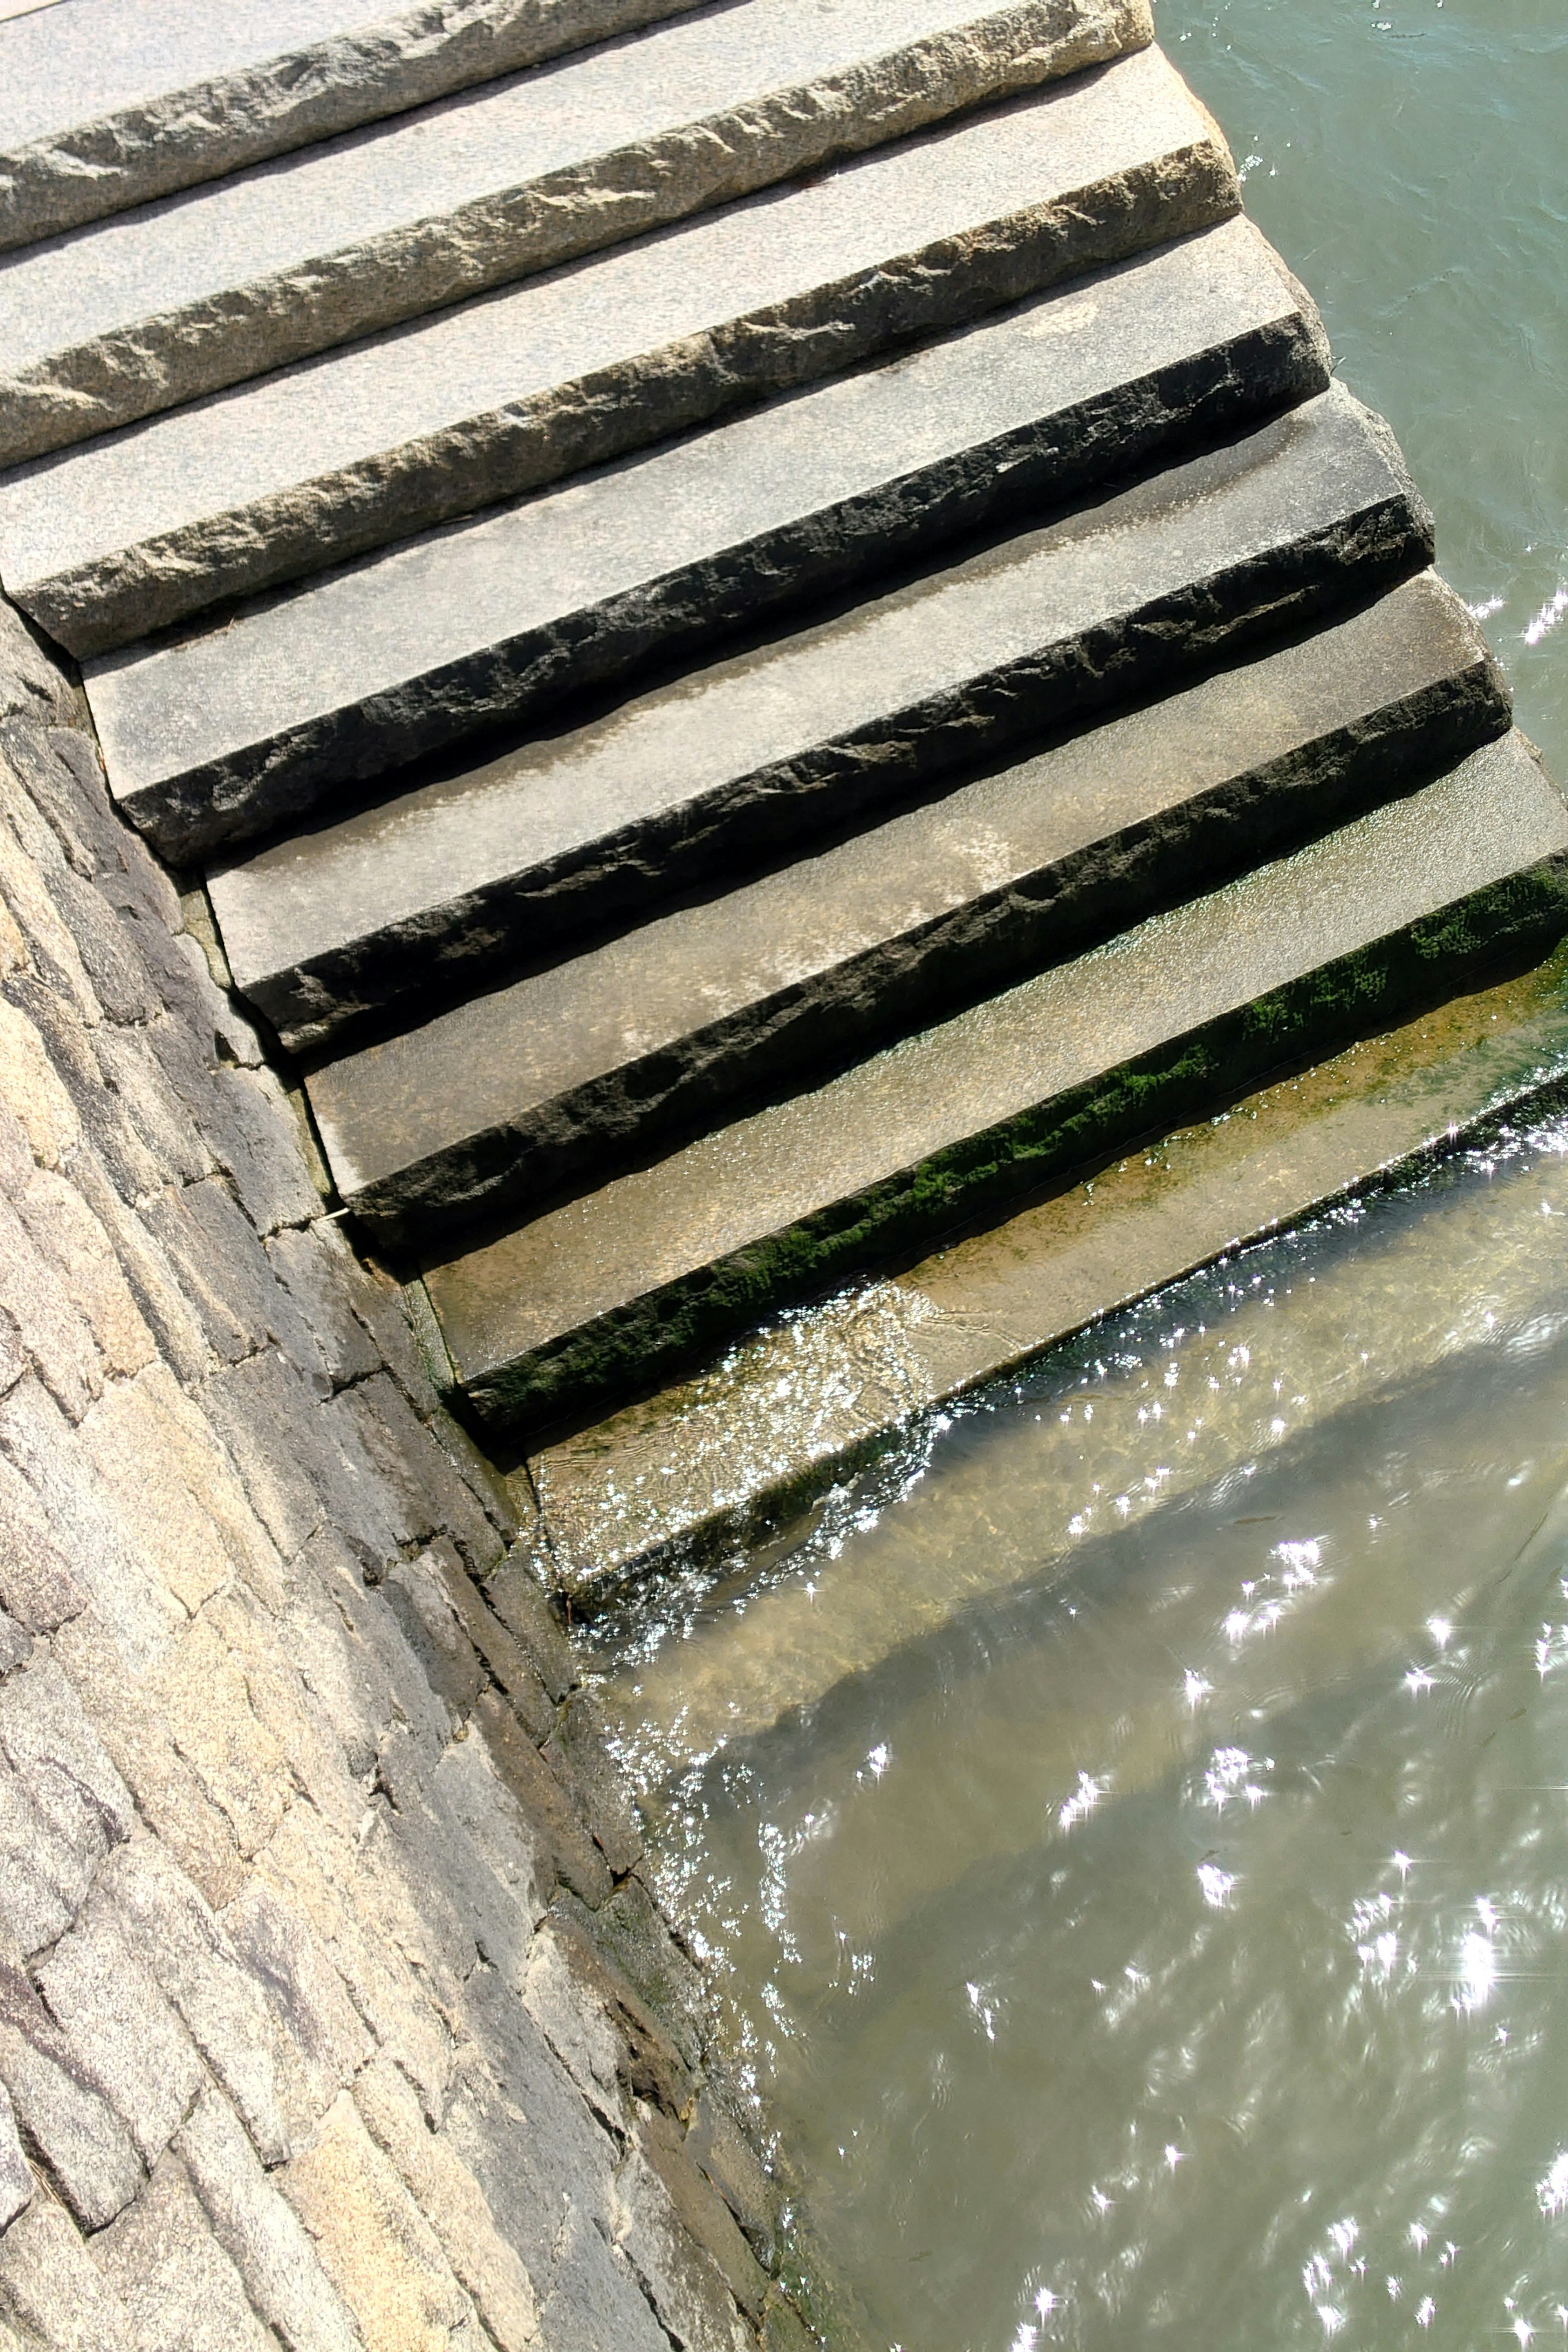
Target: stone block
point(108, 107)
point(224, 733)
point(303, 1989)
point(106, 1999)
point(416, 1592)
point(376, 2244)
point(520, 1600)
point(16, 2182)
point(262, 2236)
point(681, 2279)
point(131, 317)
point(179, 2289)
point(453, 2204)
point(53, 2291)
point(545, 1804)
point(202, 1973)
point(504, 1656)
point(306, 1262)
point(745, 760)
point(1405, 905)
point(61, 2109)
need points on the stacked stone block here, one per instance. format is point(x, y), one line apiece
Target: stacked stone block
point(333, 2009)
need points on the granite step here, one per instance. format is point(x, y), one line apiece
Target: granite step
point(107, 103)
point(343, 454)
point(1168, 1021)
point(809, 494)
point(136, 314)
point(515, 1095)
point(220, 739)
point(751, 757)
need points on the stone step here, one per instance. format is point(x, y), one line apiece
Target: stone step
point(513, 1095)
point(341, 453)
point(137, 314)
point(107, 103)
point(751, 756)
point(827, 484)
point(1168, 1021)
point(220, 738)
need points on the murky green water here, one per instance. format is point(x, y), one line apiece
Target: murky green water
point(1132, 1832)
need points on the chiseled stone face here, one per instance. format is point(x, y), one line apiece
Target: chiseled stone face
point(133, 315)
point(106, 103)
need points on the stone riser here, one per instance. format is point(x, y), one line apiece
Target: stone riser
point(143, 312)
point(1285, 966)
point(608, 1057)
point(157, 130)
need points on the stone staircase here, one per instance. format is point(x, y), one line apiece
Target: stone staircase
point(764, 619)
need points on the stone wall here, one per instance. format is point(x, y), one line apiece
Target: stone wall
point(334, 2013)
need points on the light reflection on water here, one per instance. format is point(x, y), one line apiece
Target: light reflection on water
point(1167, 1947)
point(1132, 1832)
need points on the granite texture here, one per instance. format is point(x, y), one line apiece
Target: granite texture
point(749, 760)
point(333, 2009)
point(557, 1077)
point(108, 103)
point(137, 314)
point(177, 770)
point(807, 495)
point(98, 547)
point(1167, 1022)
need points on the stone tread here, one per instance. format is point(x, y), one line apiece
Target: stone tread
point(337, 455)
point(560, 1072)
point(135, 314)
point(1276, 515)
point(749, 756)
point(827, 484)
point(107, 103)
point(1282, 965)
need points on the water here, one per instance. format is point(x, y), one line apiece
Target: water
point(1132, 1831)
point(1410, 160)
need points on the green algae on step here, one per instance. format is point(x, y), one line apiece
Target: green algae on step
point(742, 1452)
point(139, 313)
point(1172, 1019)
point(108, 103)
point(565, 1072)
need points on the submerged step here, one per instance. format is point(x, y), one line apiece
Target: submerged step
point(327, 459)
point(139, 313)
point(754, 754)
point(106, 103)
point(1166, 1021)
point(512, 1095)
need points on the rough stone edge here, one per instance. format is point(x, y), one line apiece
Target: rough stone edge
point(90, 170)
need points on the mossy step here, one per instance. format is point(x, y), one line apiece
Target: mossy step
point(514, 1095)
point(1406, 905)
point(133, 315)
point(107, 103)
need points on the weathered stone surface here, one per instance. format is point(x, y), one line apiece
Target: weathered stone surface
point(225, 498)
point(244, 1854)
point(532, 1085)
point(180, 2291)
point(223, 733)
point(966, 664)
point(1170, 1019)
point(328, 923)
point(134, 316)
point(107, 104)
